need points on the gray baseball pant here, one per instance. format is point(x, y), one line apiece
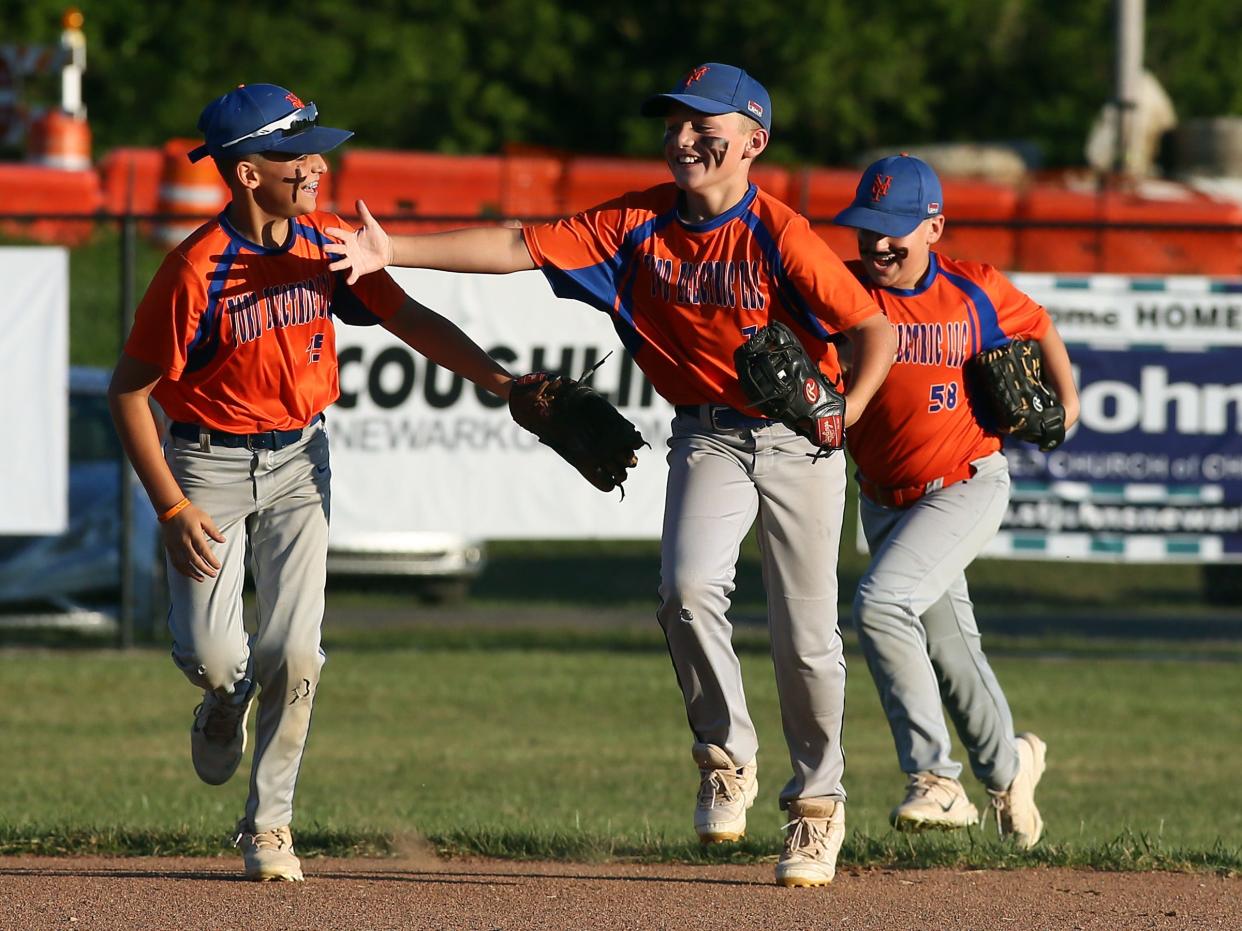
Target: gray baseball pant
point(276, 503)
point(917, 628)
point(719, 481)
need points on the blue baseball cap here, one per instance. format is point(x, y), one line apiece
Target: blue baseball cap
point(715, 88)
point(895, 195)
point(263, 118)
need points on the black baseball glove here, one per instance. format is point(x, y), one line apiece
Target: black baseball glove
point(580, 424)
point(782, 382)
point(1009, 382)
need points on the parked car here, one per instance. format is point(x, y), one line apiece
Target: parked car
point(74, 577)
point(69, 579)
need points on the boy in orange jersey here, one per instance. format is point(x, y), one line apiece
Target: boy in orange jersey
point(686, 272)
point(235, 341)
point(935, 487)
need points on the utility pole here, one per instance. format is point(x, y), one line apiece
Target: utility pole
point(1129, 19)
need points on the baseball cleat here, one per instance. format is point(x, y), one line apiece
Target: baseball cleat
point(933, 802)
point(1016, 814)
point(813, 839)
point(726, 790)
point(268, 854)
point(218, 737)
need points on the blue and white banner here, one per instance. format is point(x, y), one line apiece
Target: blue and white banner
point(1153, 471)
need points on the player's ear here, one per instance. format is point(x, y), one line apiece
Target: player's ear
point(935, 229)
point(756, 143)
point(247, 173)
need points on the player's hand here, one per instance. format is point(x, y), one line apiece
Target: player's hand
point(187, 539)
point(361, 251)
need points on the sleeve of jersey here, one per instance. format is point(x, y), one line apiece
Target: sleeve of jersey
point(167, 319)
point(1019, 316)
point(371, 299)
point(581, 256)
point(820, 279)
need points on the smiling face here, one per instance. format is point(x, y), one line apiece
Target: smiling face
point(283, 185)
point(899, 261)
point(290, 180)
point(710, 152)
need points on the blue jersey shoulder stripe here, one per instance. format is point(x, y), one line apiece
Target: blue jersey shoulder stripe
point(608, 285)
point(309, 233)
point(783, 287)
point(623, 322)
point(235, 235)
point(206, 341)
point(990, 333)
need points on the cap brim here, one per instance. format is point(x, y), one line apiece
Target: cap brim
point(313, 141)
point(877, 221)
point(660, 103)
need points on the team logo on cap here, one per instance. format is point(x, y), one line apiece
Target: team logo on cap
point(933, 208)
point(295, 100)
point(880, 185)
point(695, 75)
point(754, 108)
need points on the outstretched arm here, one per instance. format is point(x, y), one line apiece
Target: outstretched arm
point(871, 349)
point(1059, 374)
point(488, 249)
point(186, 533)
point(440, 340)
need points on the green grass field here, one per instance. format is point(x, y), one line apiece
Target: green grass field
point(514, 742)
point(482, 743)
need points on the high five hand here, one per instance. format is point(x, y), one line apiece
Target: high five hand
point(361, 251)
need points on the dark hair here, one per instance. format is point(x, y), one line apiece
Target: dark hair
point(227, 168)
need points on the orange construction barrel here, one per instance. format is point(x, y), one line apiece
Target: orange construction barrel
point(190, 193)
point(59, 140)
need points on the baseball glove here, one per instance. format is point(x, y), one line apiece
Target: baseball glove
point(579, 424)
point(782, 382)
point(1009, 382)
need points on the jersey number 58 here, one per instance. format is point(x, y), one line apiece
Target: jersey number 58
point(943, 397)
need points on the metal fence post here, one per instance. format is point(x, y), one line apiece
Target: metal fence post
point(128, 257)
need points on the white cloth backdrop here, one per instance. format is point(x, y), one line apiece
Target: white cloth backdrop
point(34, 321)
point(411, 453)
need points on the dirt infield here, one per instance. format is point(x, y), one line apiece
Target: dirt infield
point(480, 895)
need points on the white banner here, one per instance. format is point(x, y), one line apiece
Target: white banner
point(1116, 311)
point(34, 318)
point(417, 448)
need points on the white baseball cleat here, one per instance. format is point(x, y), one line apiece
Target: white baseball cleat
point(812, 841)
point(268, 854)
point(218, 737)
point(933, 802)
point(726, 790)
point(1016, 814)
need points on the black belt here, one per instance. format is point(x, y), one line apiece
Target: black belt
point(723, 417)
point(271, 439)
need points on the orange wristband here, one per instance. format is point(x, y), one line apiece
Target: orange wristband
point(174, 510)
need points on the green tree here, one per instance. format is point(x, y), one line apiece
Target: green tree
point(477, 75)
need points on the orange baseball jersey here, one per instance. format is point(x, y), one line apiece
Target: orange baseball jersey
point(683, 296)
point(244, 334)
point(920, 425)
